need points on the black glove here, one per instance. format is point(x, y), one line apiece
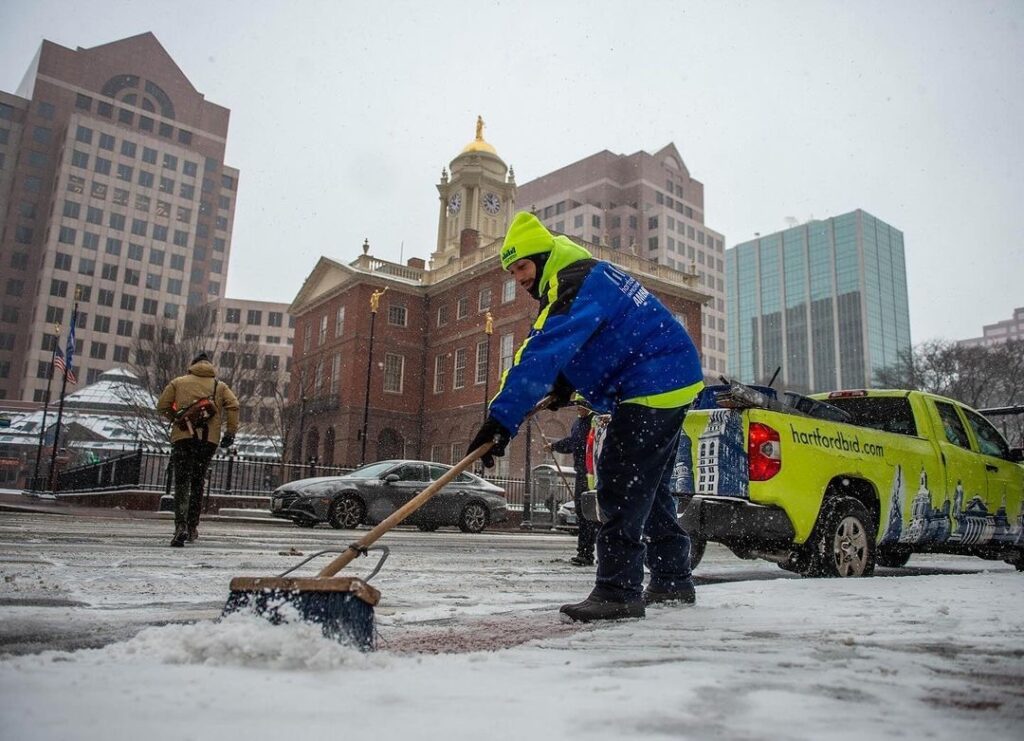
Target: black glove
point(562, 391)
point(491, 431)
point(227, 440)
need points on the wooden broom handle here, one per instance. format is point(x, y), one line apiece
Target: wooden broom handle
point(395, 518)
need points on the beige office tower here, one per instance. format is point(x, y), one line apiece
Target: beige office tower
point(647, 205)
point(113, 187)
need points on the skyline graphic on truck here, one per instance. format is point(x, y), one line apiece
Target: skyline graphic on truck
point(953, 522)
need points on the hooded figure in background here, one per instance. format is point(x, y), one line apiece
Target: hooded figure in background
point(203, 412)
point(601, 333)
point(575, 444)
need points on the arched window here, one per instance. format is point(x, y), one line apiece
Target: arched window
point(390, 445)
point(328, 455)
point(312, 444)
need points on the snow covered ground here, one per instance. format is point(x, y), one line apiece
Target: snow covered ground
point(471, 645)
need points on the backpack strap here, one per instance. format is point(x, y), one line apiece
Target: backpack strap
point(216, 409)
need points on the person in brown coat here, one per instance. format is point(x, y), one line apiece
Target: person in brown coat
point(195, 435)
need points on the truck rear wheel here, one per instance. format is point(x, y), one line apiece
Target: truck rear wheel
point(843, 542)
point(893, 556)
point(1017, 559)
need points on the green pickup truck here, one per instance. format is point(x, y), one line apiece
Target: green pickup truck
point(830, 485)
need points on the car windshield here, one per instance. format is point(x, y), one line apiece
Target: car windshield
point(370, 470)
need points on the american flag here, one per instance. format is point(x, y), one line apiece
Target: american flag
point(58, 360)
point(58, 364)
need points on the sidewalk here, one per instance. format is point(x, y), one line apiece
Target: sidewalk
point(13, 500)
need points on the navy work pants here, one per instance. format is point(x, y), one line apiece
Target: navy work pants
point(634, 470)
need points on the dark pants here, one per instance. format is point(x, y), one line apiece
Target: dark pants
point(189, 461)
point(587, 532)
point(634, 470)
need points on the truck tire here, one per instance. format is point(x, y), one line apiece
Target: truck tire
point(697, 546)
point(843, 541)
point(1017, 560)
point(894, 556)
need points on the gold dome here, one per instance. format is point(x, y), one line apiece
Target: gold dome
point(478, 144)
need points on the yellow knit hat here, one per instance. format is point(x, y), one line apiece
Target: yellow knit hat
point(526, 236)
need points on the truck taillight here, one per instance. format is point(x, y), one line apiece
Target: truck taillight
point(764, 452)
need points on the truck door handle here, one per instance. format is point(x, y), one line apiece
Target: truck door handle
point(990, 467)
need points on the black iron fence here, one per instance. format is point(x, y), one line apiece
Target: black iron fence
point(231, 475)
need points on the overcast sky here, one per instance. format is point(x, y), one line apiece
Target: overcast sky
point(343, 114)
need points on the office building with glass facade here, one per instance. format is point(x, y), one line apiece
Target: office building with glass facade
point(825, 301)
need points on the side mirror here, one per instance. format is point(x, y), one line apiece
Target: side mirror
point(391, 478)
point(1017, 455)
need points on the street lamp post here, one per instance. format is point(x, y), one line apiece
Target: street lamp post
point(488, 330)
point(302, 422)
point(374, 306)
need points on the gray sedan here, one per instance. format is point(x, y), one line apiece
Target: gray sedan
point(367, 495)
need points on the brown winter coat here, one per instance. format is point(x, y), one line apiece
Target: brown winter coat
point(194, 385)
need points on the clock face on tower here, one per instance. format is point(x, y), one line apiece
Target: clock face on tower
point(492, 204)
point(454, 203)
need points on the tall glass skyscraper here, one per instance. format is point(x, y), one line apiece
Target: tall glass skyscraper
point(826, 301)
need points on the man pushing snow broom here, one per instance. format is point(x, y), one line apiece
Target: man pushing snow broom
point(600, 332)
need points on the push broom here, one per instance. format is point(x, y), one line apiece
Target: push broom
point(341, 605)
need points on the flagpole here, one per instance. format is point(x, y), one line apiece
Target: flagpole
point(68, 357)
point(46, 405)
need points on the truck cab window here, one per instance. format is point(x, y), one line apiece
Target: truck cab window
point(952, 426)
point(989, 440)
point(886, 413)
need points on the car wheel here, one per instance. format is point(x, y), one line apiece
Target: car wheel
point(347, 511)
point(697, 546)
point(1017, 560)
point(427, 528)
point(842, 544)
point(474, 518)
point(894, 556)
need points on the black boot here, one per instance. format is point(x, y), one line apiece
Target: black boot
point(599, 608)
point(180, 536)
point(582, 560)
point(193, 533)
point(684, 595)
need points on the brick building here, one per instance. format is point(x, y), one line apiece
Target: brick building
point(433, 364)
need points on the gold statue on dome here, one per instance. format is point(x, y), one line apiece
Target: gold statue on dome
point(488, 323)
point(375, 299)
point(479, 128)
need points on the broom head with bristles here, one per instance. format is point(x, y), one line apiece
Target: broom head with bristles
point(341, 606)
